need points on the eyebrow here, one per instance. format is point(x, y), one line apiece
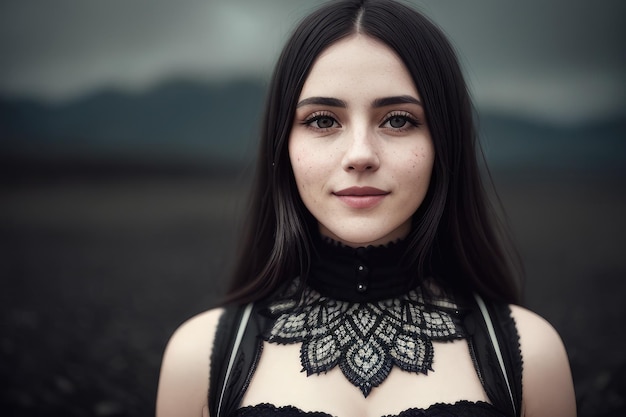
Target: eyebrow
point(390, 101)
point(324, 101)
point(379, 102)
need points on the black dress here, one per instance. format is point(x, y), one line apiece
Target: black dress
point(365, 285)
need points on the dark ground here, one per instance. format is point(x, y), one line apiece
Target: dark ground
point(95, 274)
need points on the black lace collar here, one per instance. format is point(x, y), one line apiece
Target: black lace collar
point(362, 274)
point(363, 311)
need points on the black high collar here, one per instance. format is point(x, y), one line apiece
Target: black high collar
point(362, 274)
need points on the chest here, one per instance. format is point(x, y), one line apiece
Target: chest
point(246, 372)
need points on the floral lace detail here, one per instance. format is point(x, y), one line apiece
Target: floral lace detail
point(365, 339)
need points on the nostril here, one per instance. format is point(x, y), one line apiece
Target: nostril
point(360, 168)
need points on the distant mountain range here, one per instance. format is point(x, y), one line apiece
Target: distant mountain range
point(187, 122)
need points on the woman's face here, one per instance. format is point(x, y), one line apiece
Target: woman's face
point(360, 149)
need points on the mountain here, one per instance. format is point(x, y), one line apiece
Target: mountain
point(178, 119)
point(515, 144)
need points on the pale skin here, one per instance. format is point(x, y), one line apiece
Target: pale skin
point(354, 141)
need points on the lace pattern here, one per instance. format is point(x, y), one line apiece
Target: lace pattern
point(460, 408)
point(364, 339)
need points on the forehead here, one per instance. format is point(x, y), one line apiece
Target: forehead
point(359, 64)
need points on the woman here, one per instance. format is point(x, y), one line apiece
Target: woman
point(372, 280)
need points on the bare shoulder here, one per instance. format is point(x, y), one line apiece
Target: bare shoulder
point(547, 384)
point(184, 379)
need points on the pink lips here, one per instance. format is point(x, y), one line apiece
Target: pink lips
point(361, 197)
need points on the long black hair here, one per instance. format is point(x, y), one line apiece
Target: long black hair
point(455, 237)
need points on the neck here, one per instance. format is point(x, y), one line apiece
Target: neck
point(360, 274)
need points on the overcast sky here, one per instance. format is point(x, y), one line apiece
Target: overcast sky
point(563, 60)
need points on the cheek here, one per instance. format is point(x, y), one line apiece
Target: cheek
point(303, 166)
point(425, 156)
point(299, 162)
point(310, 164)
point(421, 160)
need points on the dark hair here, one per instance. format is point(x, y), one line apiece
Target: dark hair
point(454, 237)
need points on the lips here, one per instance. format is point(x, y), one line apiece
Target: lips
point(361, 197)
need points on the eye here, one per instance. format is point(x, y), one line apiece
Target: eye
point(397, 122)
point(324, 122)
point(400, 121)
point(321, 121)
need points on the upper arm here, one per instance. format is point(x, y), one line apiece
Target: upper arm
point(184, 379)
point(547, 384)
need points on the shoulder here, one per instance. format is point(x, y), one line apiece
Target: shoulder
point(184, 378)
point(546, 380)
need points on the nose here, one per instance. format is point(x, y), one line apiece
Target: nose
point(361, 153)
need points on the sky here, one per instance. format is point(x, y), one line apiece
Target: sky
point(559, 60)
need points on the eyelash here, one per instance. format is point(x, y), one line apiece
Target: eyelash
point(319, 116)
point(412, 121)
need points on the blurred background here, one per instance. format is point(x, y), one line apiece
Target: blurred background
point(127, 135)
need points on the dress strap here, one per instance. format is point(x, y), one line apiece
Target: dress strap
point(235, 353)
point(494, 347)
